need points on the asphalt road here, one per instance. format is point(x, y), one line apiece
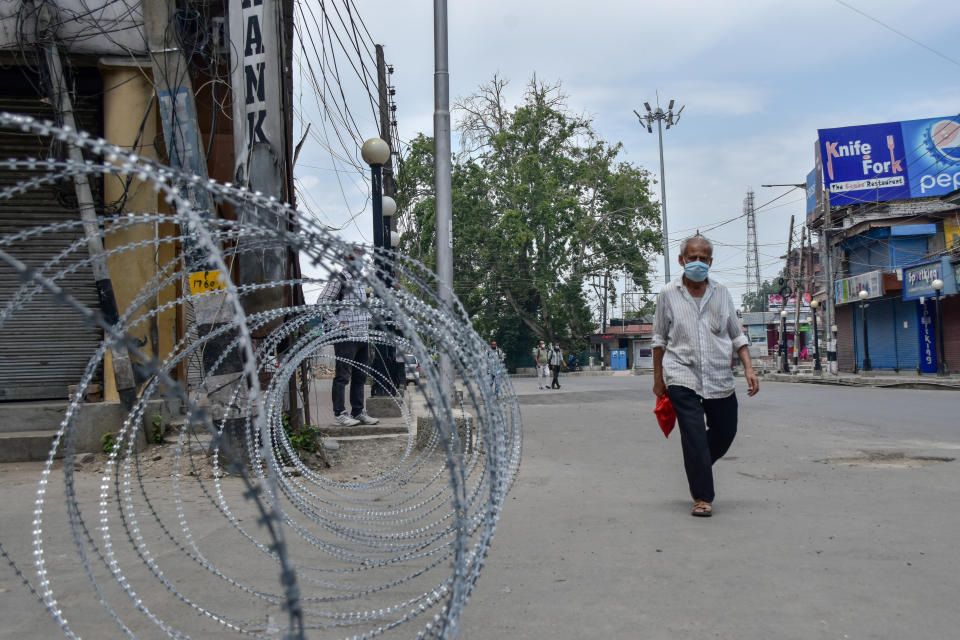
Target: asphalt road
point(821, 528)
point(837, 516)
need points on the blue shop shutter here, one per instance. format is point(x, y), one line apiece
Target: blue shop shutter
point(905, 251)
point(883, 336)
point(859, 260)
point(883, 350)
point(908, 339)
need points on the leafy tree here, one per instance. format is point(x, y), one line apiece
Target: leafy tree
point(540, 202)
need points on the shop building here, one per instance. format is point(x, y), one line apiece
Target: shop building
point(886, 239)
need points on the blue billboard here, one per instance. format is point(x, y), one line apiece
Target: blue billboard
point(864, 164)
point(811, 193)
point(891, 160)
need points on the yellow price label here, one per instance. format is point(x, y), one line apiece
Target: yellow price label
point(204, 281)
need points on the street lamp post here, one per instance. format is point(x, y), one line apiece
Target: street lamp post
point(941, 355)
point(866, 336)
point(784, 367)
point(376, 153)
point(833, 364)
point(816, 337)
point(660, 116)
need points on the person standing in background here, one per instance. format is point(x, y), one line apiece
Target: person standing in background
point(352, 317)
point(541, 357)
point(556, 361)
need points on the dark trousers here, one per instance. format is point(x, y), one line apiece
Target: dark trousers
point(555, 384)
point(352, 358)
point(707, 429)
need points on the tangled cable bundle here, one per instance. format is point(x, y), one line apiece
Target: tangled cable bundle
point(263, 544)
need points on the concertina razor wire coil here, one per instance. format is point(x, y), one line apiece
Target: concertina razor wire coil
point(296, 551)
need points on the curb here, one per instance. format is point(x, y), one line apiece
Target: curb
point(879, 383)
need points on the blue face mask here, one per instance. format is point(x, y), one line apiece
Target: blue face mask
point(696, 271)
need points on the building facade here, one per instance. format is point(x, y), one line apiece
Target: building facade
point(891, 230)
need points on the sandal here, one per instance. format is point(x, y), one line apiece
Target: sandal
point(702, 509)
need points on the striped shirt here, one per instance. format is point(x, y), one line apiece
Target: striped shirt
point(698, 338)
point(351, 312)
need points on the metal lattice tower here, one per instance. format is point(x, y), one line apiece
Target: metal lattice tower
point(753, 260)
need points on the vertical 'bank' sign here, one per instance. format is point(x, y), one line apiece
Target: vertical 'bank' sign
point(864, 163)
point(255, 79)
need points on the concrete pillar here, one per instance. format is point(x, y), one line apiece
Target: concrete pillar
point(127, 94)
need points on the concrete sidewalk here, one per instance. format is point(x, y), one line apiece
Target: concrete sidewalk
point(890, 379)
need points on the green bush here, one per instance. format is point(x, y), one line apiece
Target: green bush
point(156, 433)
point(108, 442)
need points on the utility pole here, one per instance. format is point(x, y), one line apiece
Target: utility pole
point(784, 368)
point(600, 287)
point(120, 357)
point(830, 310)
point(798, 295)
point(384, 91)
point(671, 118)
point(606, 284)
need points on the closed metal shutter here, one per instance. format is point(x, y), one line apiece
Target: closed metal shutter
point(908, 337)
point(892, 345)
point(44, 347)
point(950, 310)
point(880, 331)
point(845, 337)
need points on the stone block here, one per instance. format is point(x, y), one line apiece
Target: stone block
point(383, 407)
point(464, 421)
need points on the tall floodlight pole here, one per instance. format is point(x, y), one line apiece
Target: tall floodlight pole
point(443, 198)
point(441, 153)
point(660, 116)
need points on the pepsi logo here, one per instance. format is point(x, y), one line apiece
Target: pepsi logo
point(945, 135)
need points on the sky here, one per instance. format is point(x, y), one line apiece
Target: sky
point(757, 80)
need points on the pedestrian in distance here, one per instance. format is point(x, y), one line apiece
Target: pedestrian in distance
point(351, 319)
point(556, 361)
point(495, 358)
point(695, 333)
point(541, 357)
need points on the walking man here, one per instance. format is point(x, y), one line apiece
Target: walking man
point(695, 333)
point(556, 361)
point(351, 319)
point(541, 356)
point(495, 358)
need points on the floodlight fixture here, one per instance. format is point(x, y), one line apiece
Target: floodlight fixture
point(670, 106)
point(647, 105)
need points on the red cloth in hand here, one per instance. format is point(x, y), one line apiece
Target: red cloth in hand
point(666, 416)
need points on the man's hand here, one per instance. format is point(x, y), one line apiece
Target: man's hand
point(752, 381)
point(659, 388)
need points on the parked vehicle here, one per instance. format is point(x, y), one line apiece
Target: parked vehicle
point(412, 368)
